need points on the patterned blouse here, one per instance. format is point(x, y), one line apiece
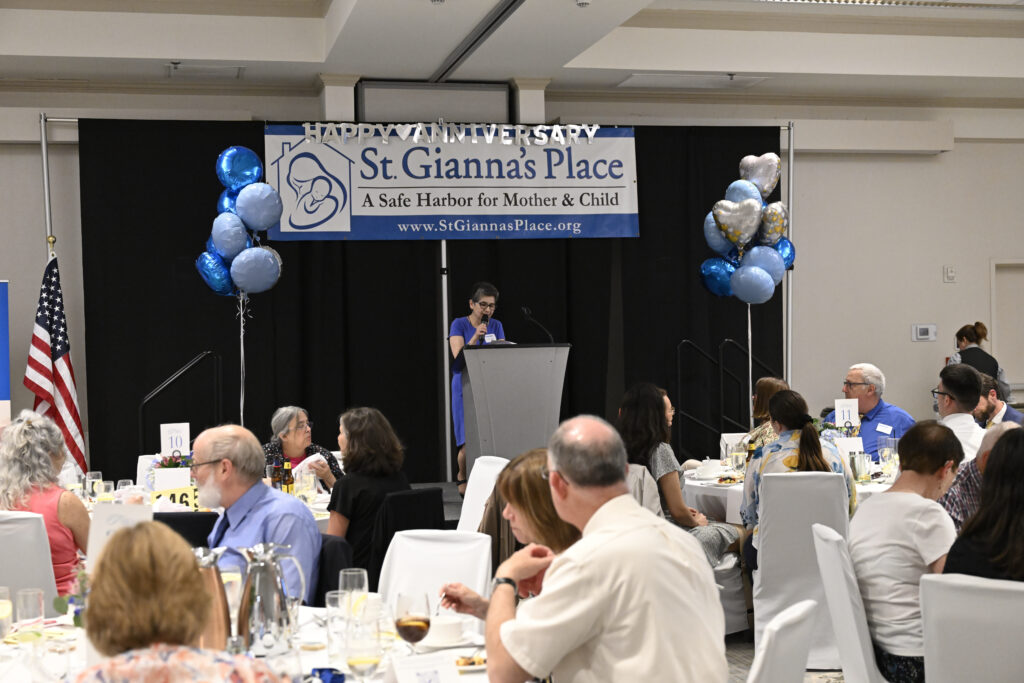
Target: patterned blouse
point(762, 434)
point(779, 457)
point(176, 663)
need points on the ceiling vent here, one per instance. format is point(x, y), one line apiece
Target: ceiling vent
point(690, 81)
point(178, 71)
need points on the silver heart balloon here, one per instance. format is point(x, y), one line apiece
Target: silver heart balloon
point(738, 221)
point(774, 221)
point(763, 171)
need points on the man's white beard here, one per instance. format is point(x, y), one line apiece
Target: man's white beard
point(209, 496)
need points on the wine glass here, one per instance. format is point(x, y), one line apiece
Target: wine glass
point(337, 619)
point(305, 486)
point(6, 611)
point(363, 650)
point(29, 627)
point(104, 491)
point(412, 617)
point(123, 484)
point(232, 580)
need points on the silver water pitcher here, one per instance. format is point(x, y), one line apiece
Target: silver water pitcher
point(263, 619)
point(218, 628)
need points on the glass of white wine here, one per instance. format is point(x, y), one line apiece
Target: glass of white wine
point(232, 580)
point(363, 649)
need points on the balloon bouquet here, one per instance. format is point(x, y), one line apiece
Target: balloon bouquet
point(235, 263)
point(742, 219)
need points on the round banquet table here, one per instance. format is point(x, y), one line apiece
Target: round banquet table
point(722, 502)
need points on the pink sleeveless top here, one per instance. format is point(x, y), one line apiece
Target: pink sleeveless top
point(63, 551)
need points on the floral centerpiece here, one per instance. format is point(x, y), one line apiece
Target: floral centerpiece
point(74, 602)
point(175, 459)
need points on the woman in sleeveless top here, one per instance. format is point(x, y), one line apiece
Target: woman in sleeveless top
point(968, 351)
point(31, 457)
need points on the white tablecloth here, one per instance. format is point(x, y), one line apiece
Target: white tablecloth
point(722, 503)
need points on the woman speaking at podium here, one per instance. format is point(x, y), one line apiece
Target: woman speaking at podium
point(477, 328)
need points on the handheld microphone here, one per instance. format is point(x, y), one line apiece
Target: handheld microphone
point(484, 319)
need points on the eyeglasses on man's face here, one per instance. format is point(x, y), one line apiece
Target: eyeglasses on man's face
point(936, 393)
point(196, 465)
point(847, 384)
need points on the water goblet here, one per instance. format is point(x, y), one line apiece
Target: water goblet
point(363, 651)
point(90, 481)
point(123, 484)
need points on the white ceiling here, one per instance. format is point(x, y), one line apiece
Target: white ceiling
point(622, 47)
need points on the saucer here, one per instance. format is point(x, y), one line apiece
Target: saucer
point(468, 639)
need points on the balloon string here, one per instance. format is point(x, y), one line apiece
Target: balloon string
point(243, 313)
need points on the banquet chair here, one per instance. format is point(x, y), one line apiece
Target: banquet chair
point(194, 527)
point(845, 606)
point(971, 628)
point(400, 511)
point(23, 536)
point(781, 655)
point(335, 555)
point(485, 472)
point(727, 441)
point(729, 579)
point(787, 569)
point(423, 560)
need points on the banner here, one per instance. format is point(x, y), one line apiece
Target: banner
point(5, 356)
point(439, 181)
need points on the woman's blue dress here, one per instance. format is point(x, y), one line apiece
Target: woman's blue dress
point(461, 327)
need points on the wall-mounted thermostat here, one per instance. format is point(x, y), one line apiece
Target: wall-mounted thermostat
point(923, 332)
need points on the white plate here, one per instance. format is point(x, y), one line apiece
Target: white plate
point(722, 486)
point(475, 668)
point(468, 639)
point(708, 477)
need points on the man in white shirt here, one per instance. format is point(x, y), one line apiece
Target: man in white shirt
point(633, 600)
point(956, 397)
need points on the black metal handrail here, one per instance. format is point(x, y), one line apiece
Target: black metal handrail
point(684, 344)
point(180, 372)
point(739, 381)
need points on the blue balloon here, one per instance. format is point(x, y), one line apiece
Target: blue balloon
point(718, 242)
point(229, 236)
point(733, 257)
point(715, 274)
point(238, 167)
point(752, 285)
point(209, 245)
point(259, 205)
point(739, 190)
point(215, 274)
point(787, 251)
point(766, 259)
point(256, 270)
point(226, 202)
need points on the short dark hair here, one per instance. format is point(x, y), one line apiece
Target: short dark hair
point(988, 384)
point(964, 382)
point(927, 446)
point(595, 462)
point(373, 447)
point(482, 289)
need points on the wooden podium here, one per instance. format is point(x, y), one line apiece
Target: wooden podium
point(511, 397)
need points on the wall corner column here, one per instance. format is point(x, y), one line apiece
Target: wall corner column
point(338, 97)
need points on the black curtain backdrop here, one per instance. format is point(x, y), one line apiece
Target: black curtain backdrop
point(357, 323)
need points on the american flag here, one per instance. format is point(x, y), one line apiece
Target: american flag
point(49, 374)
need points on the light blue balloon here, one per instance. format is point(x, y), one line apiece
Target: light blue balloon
point(215, 274)
point(238, 166)
point(739, 190)
point(226, 201)
point(256, 270)
point(767, 259)
point(787, 251)
point(714, 237)
point(259, 206)
point(750, 284)
point(229, 236)
point(715, 274)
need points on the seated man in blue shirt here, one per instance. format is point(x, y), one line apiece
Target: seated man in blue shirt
point(866, 383)
point(228, 465)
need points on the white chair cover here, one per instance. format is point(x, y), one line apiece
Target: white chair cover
point(787, 566)
point(27, 562)
point(481, 482)
point(782, 653)
point(728, 440)
point(644, 489)
point(972, 628)
point(849, 620)
point(729, 578)
point(423, 560)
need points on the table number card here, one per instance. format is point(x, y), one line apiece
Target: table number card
point(846, 412)
point(175, 437)
point(186, 495)
point(438, 667)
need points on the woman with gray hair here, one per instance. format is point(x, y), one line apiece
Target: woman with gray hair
point(31, 456)
point(292, 438)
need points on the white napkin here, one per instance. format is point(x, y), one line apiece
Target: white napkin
point(162, 504)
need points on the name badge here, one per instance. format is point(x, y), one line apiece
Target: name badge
point(489, 338)
point(885, 429)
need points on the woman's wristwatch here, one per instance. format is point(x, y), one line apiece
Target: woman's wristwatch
point(499, 580)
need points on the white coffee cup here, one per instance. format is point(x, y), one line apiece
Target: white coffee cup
point(445, 629)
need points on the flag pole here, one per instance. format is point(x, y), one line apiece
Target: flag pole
point(50, 239)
